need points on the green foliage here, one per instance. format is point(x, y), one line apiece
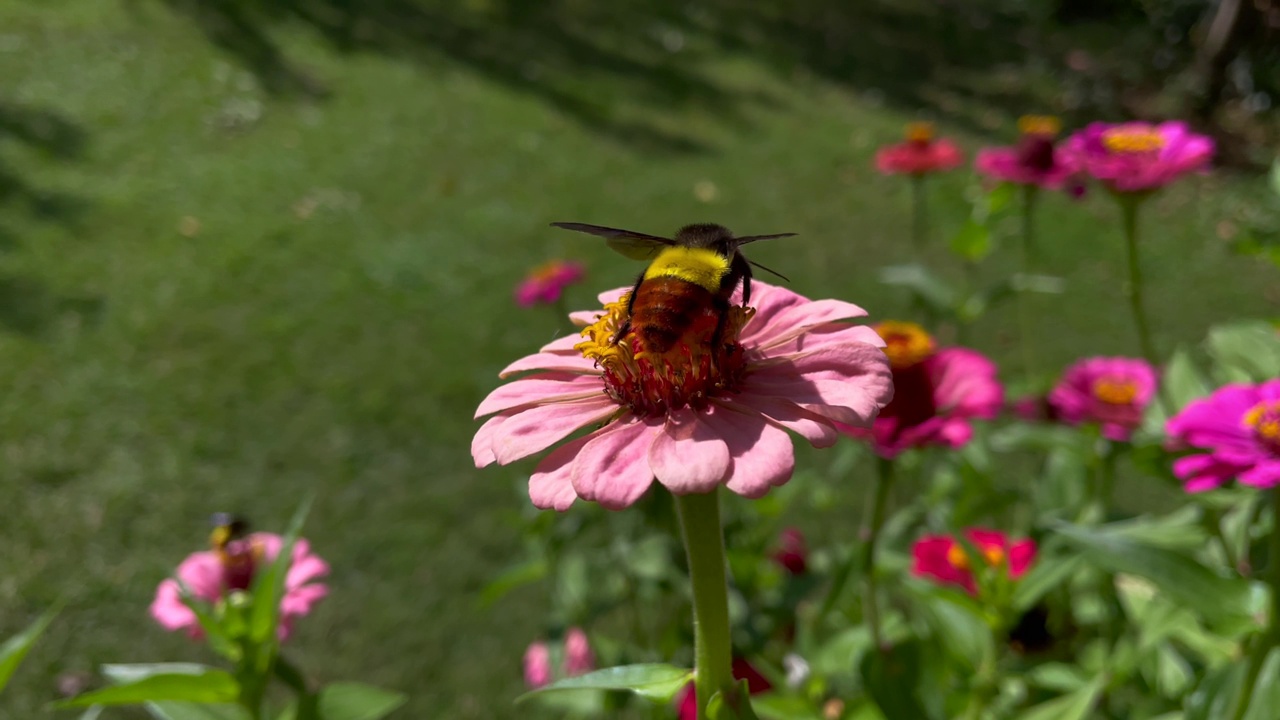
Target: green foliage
point(654, 681)
point(16, 648)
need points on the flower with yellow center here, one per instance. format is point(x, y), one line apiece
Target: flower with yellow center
point(906, 343)
point(920, 133)
point(1238, 430)
point(1112, 392)
point(1132, 139)
point(943, 558)
point(1047, 125)
point(1137, 157)
point(1264, 420)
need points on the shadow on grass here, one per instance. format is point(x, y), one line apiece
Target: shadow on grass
point(28, 306)
point(595, 62)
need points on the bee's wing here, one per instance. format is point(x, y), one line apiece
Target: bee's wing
point(637, 246)
point(753, 238)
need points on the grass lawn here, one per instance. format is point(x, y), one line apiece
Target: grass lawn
point(237, 268)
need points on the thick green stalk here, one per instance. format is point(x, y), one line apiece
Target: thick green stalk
point(1129, 205)
point(919, 214)
point(704, 544)
point(1270, 639)
point(1025, 320)
point(875, 520)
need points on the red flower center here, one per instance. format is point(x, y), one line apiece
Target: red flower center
point(1264, 420)
point(688, 373)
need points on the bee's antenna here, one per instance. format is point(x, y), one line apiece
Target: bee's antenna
point(753, 238)
point(775, 272)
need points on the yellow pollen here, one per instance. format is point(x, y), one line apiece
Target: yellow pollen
point(1133, 139)
point(1115, 391)
point(1264, 419)
point(920, 132)
point(1039, 125)
point(687, 374)
point(959, 559)
point(906, 343)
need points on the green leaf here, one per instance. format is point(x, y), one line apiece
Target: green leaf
point(194, 711)
point(1180, 577)
point(529, 571)
point(1057, 676)
point(655, 681)
point(17, 647)
point(1073, 706)
point(1266, 693)
point(956, 622)
point(354, 701)
point(1246, 352)
point(1214, 697)
point(1046, 574)
point(268, 587)
point(209, 686)
point(972, 242)
point(929, 289)
point(780, 706)
point(718, 709)
point(1275, 176)
point(133, 672)
point(1182, 381)
point(892, 679)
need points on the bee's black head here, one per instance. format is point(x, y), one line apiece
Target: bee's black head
point(707, 235)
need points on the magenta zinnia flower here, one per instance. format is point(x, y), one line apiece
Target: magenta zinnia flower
point(1110, 391)
point(1136, 157)
point(211, 575)
point(688, 417)
point(1033, 161)
point(936, 392)
point(545, 283)
point(1239, 425)
point(921, 153)
point(944, 559)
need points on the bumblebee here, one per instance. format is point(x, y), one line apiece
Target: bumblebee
point(690, 275)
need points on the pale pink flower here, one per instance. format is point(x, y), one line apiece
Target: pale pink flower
point(1137, 157)
point(686, 417)
point(1111, 391)
point(578, 658)
point(545, 283)
point(920, 154)
point(537, 665)
point(210, 575)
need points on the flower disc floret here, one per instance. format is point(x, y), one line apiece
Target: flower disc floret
point(1112, 392)
point(787, 363)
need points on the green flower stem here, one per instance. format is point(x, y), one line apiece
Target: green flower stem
point(919, 214)
point(704, 543)
point(1263, 644)
point(875, 521)
point(1025, 319)
point(1129, 205)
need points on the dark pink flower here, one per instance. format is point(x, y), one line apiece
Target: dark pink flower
point(210, 575)
point(936, 392)
point(687, 705)
point(1239, 425)
point(1111, 391)
point(1033, 161)
point(545, 283)
point(578, 658)
point(944, 559)
point(683, 417)
point(1136, 157)
point(920, 154)
point(793, 552)
point(537, 665)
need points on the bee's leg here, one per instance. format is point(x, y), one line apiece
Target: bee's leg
point(721, 306)
point(631, 303)
point(741, 269)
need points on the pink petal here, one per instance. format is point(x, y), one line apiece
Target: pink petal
point(482, 443)
point(201, 572)
point(300, 601)
point(304, 569)
point(1263, 475)
point(551, 485)
point(1021, 554)
point(688, 456)
point(565, 362)
point(169, 610)
point(540, 389)
point(613, 468)
point(762, 453)
point(813, 427)
point(797, 320)
point(537, 428)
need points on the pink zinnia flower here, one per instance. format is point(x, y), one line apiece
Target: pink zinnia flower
point(936, 392)
point(1137, 156)
point(920, 155)
point(944, 559)
point(537, 665)
point(1033, 161)
point(687, 705)
point(1110, 391)
point(1240, 427)
point(578, 658)
point(688, 417)
point(211, 575)
point(545, 283)
point(793, 552)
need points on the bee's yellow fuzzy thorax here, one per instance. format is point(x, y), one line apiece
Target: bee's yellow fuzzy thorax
point(700, 266)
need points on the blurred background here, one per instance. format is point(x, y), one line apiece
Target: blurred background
point(254, 249)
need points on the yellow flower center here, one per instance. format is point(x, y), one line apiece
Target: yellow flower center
point(688, 373)
point(1264, 420)
point(920, 133)
point(1046, 125)
point(547, 270)
point(906, 343)
point(1115, 391)
point(959, 559)
point(1132, 139)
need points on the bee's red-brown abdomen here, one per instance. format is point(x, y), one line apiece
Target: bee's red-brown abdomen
point(664, 308)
